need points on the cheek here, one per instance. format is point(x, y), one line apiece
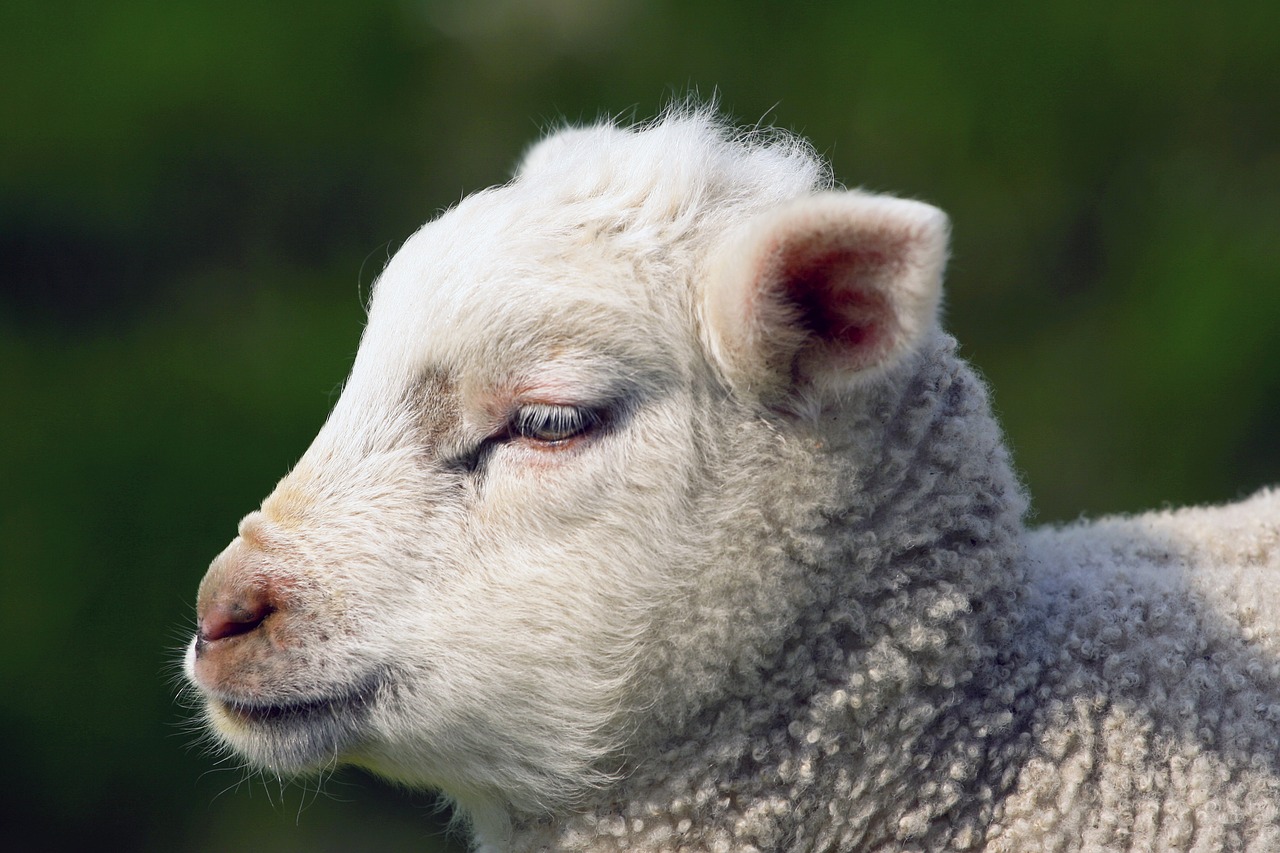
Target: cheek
point(590, 518)
point(535, 497)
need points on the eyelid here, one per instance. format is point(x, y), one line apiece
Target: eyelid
point(523, 420)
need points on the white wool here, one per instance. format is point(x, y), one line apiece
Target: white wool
point(658, 514)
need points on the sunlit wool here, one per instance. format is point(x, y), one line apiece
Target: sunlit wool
point(658, 513)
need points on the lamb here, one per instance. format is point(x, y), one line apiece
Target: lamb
point(658, 513)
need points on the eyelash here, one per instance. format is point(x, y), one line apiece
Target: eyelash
point(554, 425)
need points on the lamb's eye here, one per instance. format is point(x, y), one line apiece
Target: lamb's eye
point(551, 424)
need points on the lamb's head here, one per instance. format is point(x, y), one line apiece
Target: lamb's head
point(556, 462)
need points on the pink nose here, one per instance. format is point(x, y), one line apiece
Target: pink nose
point(232, 616)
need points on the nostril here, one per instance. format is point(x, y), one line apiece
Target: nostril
point(229, 619)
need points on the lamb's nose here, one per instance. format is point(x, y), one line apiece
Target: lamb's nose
point(230, 617)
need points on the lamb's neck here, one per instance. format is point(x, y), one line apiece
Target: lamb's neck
point(916, 565)
point(869, 712)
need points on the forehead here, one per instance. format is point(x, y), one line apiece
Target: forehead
point(499, 284)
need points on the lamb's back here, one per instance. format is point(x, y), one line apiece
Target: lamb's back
point(1156, 722)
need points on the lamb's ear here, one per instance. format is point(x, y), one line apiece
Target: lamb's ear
point(818, 295)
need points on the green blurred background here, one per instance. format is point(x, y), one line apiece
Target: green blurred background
point(195, 197)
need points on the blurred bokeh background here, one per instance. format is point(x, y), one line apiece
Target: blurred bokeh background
point(196, 196)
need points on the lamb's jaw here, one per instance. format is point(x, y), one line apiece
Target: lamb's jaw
point(297, 735)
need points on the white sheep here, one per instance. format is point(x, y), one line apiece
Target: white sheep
point(659, 514)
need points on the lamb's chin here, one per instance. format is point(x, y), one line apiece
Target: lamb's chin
point(298, 735)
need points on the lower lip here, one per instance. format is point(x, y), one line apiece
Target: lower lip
point(355, 700)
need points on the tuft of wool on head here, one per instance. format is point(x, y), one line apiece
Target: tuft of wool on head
point(686, 173)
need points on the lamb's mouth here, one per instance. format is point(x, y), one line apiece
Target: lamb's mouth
point(299, 736)
point(350, 703)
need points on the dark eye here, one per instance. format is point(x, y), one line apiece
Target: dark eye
point(551, 424)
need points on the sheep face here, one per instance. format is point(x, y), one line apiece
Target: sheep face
point(457, 573)
point(552, 464)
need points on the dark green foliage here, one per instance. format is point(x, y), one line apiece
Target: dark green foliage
point(195, 197)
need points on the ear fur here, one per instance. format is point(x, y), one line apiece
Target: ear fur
point(818, 295)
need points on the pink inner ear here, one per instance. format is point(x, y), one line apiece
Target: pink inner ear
point(839, 303)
